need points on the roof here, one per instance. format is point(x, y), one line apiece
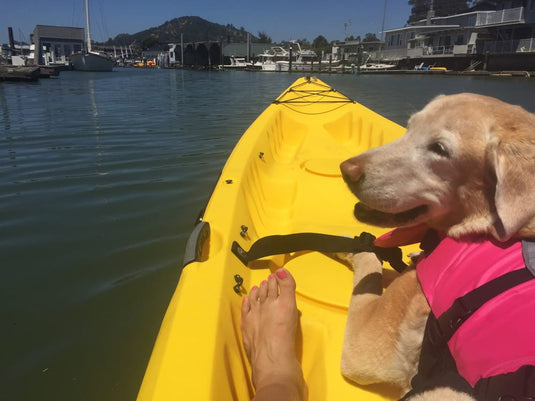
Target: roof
point(423, 28)
point(59, 32)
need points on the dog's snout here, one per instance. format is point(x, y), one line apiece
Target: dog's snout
point(352, 170)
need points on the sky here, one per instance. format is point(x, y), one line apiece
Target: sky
point(279, 19)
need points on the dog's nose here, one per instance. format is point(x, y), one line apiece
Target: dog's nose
point(352, 170)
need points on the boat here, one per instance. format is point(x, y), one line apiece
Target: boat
point(375, 66)
point(282, 178)
point(278, 59)
point(302, 59)
point(90, 60)
point(145, 64)
point(237, 63)
point(272, 59)
point(431, 67)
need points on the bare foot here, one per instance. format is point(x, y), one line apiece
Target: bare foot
point(269, 325)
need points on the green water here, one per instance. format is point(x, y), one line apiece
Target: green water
point(102, 178)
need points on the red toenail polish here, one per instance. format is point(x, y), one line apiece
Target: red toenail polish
point(254, 288)
point(281, 274)
point(271, 276)
point(264, 282)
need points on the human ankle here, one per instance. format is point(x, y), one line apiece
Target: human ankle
point(286, 372)
point(290, 385)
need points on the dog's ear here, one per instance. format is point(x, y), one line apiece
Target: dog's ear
point(512, 157)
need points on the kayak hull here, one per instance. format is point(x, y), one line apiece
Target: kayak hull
point(282, 177)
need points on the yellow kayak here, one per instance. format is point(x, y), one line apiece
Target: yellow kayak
point(282, 178)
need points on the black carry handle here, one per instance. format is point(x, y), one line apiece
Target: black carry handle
point(281, 244)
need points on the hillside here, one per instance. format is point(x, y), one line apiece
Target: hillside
point(194, 29)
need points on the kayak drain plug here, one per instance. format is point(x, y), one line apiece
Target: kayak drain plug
point(244, 229)
point(239, 282)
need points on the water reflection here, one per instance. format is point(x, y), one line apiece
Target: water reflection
point(5, 111)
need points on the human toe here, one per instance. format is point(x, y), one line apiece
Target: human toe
point(272, 287)
point(286, 283)
point(263, 291)
point(245, 306)
point(253, 295)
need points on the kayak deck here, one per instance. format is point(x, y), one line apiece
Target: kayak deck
point(282, 177)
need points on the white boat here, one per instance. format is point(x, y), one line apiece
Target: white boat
point(273, 59)
point(305, 59)
point(90, 60)
point(370, 66)
point(278, 59)
point(237, 63)
point(376, 66)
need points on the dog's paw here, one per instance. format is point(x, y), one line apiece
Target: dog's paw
point(354, 260)
point(344, 257)
point(415, 256)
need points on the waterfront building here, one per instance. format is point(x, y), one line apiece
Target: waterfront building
point(470, 36)
point(356, 51)
point(55, 44)
point(248, 51)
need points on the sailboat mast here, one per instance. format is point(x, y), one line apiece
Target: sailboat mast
point(383, 26)
point(87, 25)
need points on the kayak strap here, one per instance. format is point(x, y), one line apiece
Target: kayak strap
point(282, 244)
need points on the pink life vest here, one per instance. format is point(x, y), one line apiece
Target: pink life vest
point(500, 336)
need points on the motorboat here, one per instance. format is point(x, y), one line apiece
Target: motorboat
point(237, 63)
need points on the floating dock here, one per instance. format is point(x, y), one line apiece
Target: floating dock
point(16, 73)
point(27, 73)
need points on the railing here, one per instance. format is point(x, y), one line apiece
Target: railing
point(511, 46)
point(500, 17)
point(391, 54)
point(423, 51)
point(440, 50)
point(526, 45)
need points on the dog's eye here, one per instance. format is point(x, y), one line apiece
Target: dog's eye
point(439, 149)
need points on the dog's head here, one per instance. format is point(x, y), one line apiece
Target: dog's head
point(466, 165)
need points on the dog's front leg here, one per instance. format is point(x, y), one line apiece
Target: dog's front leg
point(384, 331)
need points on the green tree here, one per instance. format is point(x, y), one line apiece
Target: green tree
point(418, 10)
point(303, 42)
point(370, 37)
point(263, 38)
point(320, 42)
point(441, 8)
point(149, 42)
point(450, 7)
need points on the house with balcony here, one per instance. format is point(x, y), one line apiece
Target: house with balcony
point(468, 37)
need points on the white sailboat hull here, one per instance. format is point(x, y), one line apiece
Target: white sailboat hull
point(91, 62)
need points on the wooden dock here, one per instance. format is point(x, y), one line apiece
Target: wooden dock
point(524, 74)
point(28, 73)
point(16, 73)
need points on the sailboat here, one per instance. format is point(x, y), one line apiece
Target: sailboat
point(90, 60)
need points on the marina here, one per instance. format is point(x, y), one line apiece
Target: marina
point(483, 38)
point(100, 190)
